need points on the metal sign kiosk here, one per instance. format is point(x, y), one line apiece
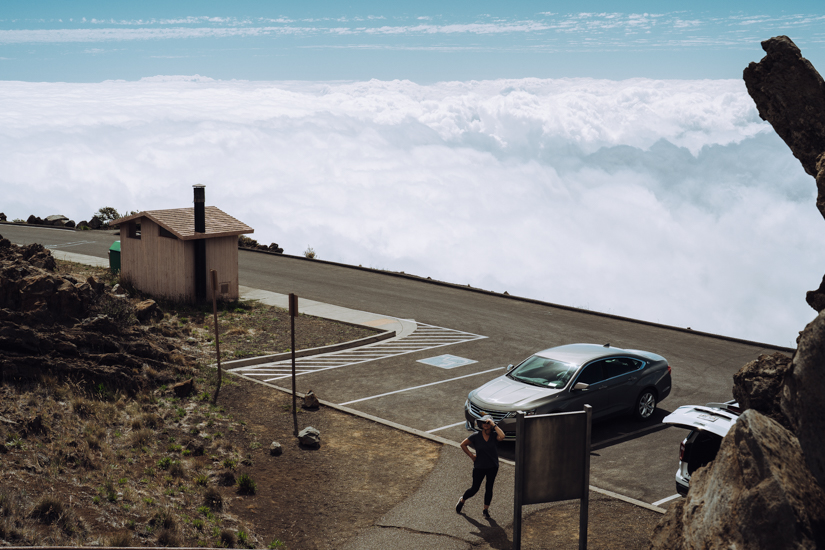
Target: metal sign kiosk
point(552, 463)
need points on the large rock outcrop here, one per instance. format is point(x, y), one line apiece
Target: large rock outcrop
point(756, 494)
point(803, 396)
point(790, 94)
point(758, 386)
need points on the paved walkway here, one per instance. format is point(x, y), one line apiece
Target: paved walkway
point(427, 519)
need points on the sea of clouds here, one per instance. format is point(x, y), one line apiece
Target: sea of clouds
point(669, 201)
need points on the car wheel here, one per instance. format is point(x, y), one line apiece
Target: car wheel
point(645, 405)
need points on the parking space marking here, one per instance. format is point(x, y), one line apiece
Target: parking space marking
point(447, 361)
point(445, 427)
point(425, 337)
point(668, 499)
point(417, 387)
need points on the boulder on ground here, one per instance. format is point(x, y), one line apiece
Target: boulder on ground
point(34, 220)
point(148, 310)
point(275, 248)
point(95, 223)
point(275, 449)
point(310, 437)
point(70, 223)
point(311, 400)
point(56, 217)
point(184, 389)
point(757, 493)
point(2, 217)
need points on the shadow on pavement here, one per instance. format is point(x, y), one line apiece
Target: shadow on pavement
point(492, 533)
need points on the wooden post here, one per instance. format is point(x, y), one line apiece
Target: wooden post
point(293, 311)
point(214, 275)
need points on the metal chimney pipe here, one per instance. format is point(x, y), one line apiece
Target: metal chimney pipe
point(200, 206)
point(200, 244)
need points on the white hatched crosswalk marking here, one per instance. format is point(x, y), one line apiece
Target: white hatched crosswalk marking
point(425, 337)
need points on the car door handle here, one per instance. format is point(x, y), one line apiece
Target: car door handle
point(633, 379)
point(602, 388)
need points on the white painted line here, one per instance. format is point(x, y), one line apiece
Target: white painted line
point(668, 499)
point(421, 386)
point(445, 427)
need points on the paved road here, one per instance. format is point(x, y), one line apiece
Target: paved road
point(634, 459)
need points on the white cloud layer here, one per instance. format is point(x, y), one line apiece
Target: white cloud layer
point(669, 201)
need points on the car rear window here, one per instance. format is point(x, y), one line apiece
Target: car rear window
point(541, 371)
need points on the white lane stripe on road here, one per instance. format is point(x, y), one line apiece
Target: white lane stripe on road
point(417, 387)
point(445, 427)
point(668, 499)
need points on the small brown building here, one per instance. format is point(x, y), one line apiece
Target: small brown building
point(169, 253)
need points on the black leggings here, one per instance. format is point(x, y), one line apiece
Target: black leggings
point(478, 475)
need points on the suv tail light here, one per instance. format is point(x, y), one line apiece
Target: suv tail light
point(668, 369)
point(681, 451)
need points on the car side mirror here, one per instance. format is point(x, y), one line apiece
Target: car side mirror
point(581, 386)
point(509, 367)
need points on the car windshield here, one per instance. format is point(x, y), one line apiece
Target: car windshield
point(544, 372)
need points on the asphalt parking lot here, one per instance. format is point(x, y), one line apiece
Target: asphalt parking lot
point(634, 459)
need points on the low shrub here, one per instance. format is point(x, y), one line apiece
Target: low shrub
point(227, 538)
point(212, 499)
point(121, 539)
point(246, 485)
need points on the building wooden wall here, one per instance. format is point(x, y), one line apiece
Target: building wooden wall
point(222, 256)
point(165, 267)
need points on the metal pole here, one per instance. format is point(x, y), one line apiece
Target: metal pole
point(519, 489)
point(585, 502)
point(217, 340)
point(293, 311)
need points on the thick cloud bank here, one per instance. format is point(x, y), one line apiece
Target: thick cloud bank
point(669, 201)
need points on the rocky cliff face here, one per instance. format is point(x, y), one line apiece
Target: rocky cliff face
point(765, 487)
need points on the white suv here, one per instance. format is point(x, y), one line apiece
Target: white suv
point(708, 425)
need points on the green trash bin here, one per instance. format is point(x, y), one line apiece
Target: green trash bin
point(114, 257)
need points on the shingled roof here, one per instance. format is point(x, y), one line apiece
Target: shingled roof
point(181, 222)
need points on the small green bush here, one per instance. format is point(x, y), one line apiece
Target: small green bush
point(246, 485)
point(164, 463)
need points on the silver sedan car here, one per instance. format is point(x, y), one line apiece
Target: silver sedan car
point(562, 379)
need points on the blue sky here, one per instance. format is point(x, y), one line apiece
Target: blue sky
point(88, 41)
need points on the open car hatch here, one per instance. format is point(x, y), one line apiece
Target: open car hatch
point(694, 417)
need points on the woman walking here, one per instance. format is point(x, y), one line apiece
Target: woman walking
point(485, 461)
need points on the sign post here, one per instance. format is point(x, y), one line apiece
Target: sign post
point(552, 463)
point(293, 311)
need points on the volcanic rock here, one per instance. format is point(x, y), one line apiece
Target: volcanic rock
point(2, 217)
point(757, 493)
point(310, 437)
point(148, 310)
point(311, 400)
point(802, 395)
point(184, 389)
point(95, 223)
point(790, 94)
